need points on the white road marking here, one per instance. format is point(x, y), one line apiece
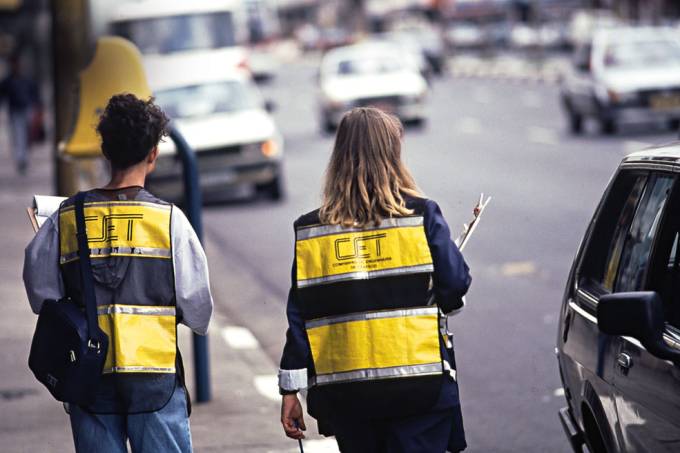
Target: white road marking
point(630, 146)
point(518, 268)
point(468, 125)
point(542, 135)
point(268, 386)
point(239, 337)
point(558, 392)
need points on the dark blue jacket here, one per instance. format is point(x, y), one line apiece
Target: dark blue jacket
point(451, 280)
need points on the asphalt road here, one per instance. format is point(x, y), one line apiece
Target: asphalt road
point(503, 138)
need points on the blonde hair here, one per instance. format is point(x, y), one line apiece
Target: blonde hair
point(366, 180)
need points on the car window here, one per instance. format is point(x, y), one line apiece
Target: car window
point(641, 234)
point(642, 53)
point(605, 245)
point(169, 34)
point(368, 66)
point(208, 99)
point(664, 274)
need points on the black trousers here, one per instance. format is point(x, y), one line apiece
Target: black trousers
point(428, 433)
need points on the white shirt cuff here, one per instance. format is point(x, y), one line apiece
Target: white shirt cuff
point(293, 379)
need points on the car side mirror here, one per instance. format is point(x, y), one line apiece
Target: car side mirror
point(269, 106)
point(638, 315)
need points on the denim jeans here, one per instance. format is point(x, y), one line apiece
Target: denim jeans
point(166, 430)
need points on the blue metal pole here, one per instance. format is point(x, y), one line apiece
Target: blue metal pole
point(193, 203)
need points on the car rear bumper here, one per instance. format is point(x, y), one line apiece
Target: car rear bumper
point(637, 114)
point(573, 433)
point(404, 111)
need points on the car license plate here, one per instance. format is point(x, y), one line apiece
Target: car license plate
point(665, 101)
point(218, 178)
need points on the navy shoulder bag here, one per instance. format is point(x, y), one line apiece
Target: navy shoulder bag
point(69, 349)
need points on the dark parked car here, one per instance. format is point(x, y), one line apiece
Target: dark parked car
point(618, 344)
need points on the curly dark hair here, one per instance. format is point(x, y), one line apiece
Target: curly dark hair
point(130, 128)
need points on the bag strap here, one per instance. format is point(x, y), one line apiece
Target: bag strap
point(86, 278)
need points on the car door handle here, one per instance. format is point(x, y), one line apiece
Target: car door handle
point(624, 360)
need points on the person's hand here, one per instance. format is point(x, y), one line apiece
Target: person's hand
point(291, 417)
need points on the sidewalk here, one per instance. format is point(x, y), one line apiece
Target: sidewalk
point(243, 415)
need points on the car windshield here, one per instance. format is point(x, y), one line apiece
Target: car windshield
point(208, 99)
point(368, 65)
point(161, 35)
point(642, 53)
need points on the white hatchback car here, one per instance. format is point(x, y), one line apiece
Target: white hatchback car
point(370, 74)
point(225, 120)
point(624, 75)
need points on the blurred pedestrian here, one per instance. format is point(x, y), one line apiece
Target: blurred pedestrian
point(374, 274)
point(150, 273)
point(23, 99)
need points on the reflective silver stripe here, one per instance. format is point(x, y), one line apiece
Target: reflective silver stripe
point(151, 369)
point(293, 379)
point(365, 316)
point(136, 310)
point(448, 369)
point(109, 251)
point(378, 373)
point(96, 204)
point(365, 275)
point(326, 230)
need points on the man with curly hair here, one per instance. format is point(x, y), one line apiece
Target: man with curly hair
point(150, 273)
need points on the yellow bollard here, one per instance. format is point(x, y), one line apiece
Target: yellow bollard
point(115, 68)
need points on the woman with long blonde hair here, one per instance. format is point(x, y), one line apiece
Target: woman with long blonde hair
point(375, 272)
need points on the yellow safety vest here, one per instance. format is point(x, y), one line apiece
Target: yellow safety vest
point(364, 298)
point(131, 253)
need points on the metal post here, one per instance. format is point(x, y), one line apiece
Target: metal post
point(193, 203)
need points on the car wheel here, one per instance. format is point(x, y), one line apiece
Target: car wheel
point(418, 123)
point(575, 123)
point(674, 124)
point(607, 126)
point(593, 437)
point(327, 126)
point(575, 120)
point(273, 189)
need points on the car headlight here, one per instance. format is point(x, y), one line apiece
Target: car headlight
point(268, 148)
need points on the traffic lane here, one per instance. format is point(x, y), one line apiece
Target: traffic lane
point(538, 203)
point(538, 188)
point(545, 192)
point(428, 147)
point(502, 338)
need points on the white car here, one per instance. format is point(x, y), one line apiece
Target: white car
point(370, 74)
point(223, 117)
point(625, 75)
